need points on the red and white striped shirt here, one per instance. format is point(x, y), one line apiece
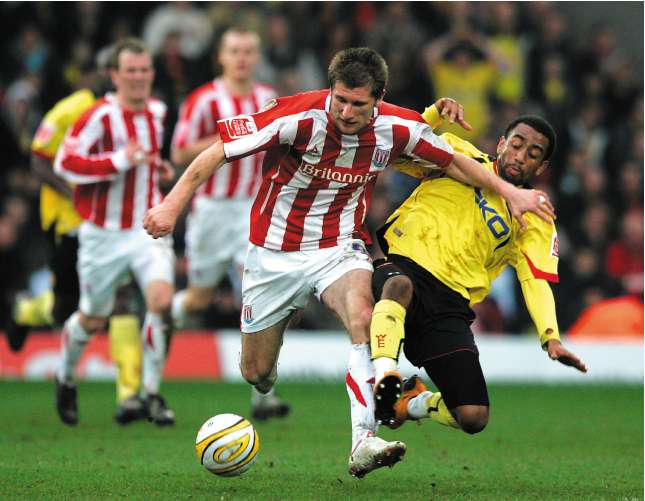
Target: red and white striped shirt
point(110, 192)
point(198, 118)
point(316, 182)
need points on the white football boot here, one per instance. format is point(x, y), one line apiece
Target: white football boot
point(374, 452)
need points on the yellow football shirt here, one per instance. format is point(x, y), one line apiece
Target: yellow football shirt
point(466, 236)
point(54, 207)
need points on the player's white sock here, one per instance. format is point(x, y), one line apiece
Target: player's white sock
point(359, 383)
point(178, 312)
point(418, 406)
point(257, 397)
point(155, 339)
point(73, 341)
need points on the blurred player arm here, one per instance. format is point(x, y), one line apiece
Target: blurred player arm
point(184, 154)
point(541, 306)
point(161, 219)
point(44, 170)
point(78, 163)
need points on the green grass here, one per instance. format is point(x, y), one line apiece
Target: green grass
point(543, 442)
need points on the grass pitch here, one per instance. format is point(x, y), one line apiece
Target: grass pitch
point(543, 442)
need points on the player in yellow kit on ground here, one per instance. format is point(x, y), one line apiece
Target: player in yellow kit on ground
point(444, 246)
point(60, 221)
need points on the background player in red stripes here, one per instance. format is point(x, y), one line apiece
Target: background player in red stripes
point(216, 245)
point(112, 155)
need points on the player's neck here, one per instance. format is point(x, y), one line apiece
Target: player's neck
point(238, 87)
point(135, 105)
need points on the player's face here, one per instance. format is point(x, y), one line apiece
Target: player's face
point(239, 54)
point(351, 109)
point(133, 78)
point(520, 157)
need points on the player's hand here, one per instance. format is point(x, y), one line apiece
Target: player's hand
point(558, 352)
point(160, 220)
point(452, 111)
point(136, 155)
point(535, 201)
point(166, 171)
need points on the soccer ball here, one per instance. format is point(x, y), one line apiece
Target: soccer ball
point(227, 445)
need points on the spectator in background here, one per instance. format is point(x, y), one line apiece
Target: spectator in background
point(186, 20)
point(624, 256)
point(463, 65)
point(503, 24)
point(283, 65)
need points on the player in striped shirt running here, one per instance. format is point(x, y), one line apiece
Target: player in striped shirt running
point(324, 152)
point(112, 156)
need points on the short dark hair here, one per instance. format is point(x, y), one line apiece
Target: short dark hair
point(540, 125)
point(358, 67)
point(130, 44)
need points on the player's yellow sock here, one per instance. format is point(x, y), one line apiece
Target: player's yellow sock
point(438, 412)
point(387, 329)
point(35, 311)
point(125, 349)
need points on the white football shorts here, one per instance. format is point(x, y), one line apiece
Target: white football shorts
point(217, 237)
point(106, 256)
point(276, 283)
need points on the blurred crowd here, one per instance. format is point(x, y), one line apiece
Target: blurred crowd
point(498, 59)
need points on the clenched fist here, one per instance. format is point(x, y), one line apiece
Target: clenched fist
point(160, 220)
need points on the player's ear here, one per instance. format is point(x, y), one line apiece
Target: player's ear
point(500, 145)
point(379, 100)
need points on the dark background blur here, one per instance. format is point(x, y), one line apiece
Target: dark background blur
point(579, 64)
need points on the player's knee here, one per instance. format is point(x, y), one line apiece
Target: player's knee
point(398, 288)
point(472, 418)
point(91, 325)
point(359, 324)
point(159, 297)
point(260, 375)
point(198, 299)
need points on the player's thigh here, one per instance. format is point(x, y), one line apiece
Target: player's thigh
point(216, 238)
point(198, 298)
point(274, 286)
point(342, 281)
point(459, 377)
point(102, 261)
point(153, 267)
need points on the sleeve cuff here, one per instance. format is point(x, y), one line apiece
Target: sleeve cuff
point(120, 161)
point(544, 337)
point(431, 116)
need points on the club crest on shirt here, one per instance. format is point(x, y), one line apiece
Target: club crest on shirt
point(241, 125)
point(268, 105)
point(381, 157)
point(554, 245)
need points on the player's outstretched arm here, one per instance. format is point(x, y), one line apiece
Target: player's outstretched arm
point(467, 170)
point(558, 352)
point(160, 220)
point(445, 108)
point(539, 301)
